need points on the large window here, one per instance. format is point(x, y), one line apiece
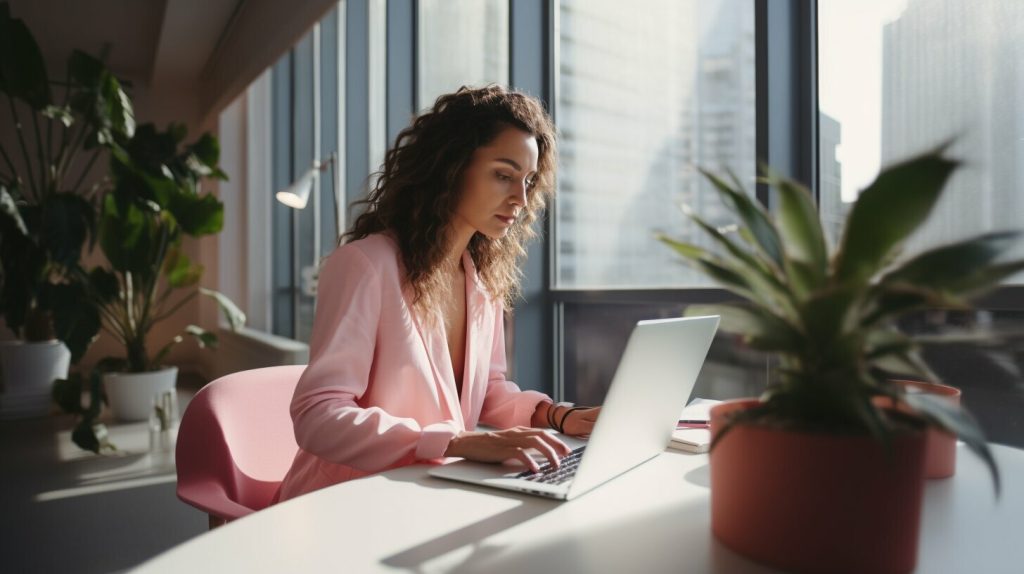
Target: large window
point(461, 42)
point(644, 97)
point(306, 103)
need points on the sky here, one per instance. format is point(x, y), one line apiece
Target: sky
point(850, 81)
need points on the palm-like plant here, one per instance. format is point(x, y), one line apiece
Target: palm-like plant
point(829, 315)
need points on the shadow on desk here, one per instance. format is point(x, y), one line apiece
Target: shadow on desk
point(473, 534)
point(584, 548)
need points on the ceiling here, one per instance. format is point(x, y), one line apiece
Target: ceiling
point(149, 42)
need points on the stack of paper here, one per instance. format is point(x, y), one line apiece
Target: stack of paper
point(690, 440)
point(692, 434)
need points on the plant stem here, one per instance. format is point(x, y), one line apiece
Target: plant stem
point(10, 164)
point(24, 147)
point(43, 163)
point(76, 147)
point(88, 166)
point(176, 306)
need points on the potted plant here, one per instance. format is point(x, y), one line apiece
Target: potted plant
point(47, 215)
point(156, 200)
point(824, 471)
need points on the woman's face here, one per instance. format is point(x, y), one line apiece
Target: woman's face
point(495, 184)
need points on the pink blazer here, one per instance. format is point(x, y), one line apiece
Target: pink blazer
point(379, 391)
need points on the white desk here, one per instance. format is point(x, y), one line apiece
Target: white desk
point(654, 518)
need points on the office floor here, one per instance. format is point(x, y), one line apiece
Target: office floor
point(68, 510)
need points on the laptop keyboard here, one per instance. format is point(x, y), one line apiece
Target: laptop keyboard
point(550, 475)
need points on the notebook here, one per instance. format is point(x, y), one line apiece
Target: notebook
point(652, 382)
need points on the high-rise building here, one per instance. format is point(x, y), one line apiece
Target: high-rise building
point(831, 207)
point(955, 70)
point(644, 98)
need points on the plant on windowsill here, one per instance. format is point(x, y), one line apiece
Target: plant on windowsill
point(154, 203)
point(824, 471)
point(47, 213)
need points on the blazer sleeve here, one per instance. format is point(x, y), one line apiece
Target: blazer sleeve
point(328, 421)
point(505, 406)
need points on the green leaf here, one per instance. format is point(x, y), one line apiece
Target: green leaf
point(197, 215)
point(179, 270)
point(754, 217)
point(60, 113)
point(756, 273)
point(234, 315)
point(67, 219)
point(159, 357)
point(687, 250)
point(22, 68)
point(761, 329)
point(103, 285)
point(949, 264)
point(206, 151)
point(984, 279)
point(76, 320)
point(203, 337)
point(888, 211)
point(67, 393)
point(10, 213)
point(886, 301)
point(959, 421)
point(800, 228)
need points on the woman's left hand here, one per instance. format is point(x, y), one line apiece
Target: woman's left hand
point(579, 422)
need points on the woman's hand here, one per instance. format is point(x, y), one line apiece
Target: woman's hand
point(578, 422)
point(498, 446)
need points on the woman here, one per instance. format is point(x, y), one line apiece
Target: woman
point(407, 353)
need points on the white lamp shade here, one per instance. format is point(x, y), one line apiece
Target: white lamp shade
point(297, 194)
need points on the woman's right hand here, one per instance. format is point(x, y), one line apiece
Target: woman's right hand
point(499, 446)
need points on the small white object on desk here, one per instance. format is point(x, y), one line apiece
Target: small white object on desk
point(691, 440)
point(698, 410)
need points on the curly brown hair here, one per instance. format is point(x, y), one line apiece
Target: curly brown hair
point(420, 183)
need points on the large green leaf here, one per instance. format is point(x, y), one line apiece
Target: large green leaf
point(757, 273)
point(959, 421)
point(947, 265)
point(756, 220)
point(760, 328)
point(197, 214)
point(180, 271)
point(76, 320)
point(67, 219)
point(234, 315)
point(889, 300)
point(800, 228)
point(99, 98)
point(888, 211)
point(22, 68)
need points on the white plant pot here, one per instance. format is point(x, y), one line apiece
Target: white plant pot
point(131, 394)
point(27, 372)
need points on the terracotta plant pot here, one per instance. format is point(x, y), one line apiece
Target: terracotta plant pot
point(812, 502)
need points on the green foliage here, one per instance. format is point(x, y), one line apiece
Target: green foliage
point(829, 316)
point(47, 218)
point(155, 202)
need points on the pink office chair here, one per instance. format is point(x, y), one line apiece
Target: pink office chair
point(236, 442)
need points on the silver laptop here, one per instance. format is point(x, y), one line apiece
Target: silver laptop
point(651, 385)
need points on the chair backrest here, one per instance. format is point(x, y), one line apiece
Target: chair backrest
point(236, 441)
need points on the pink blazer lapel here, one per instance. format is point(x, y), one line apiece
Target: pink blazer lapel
point(436, 345)
point(478, 312)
